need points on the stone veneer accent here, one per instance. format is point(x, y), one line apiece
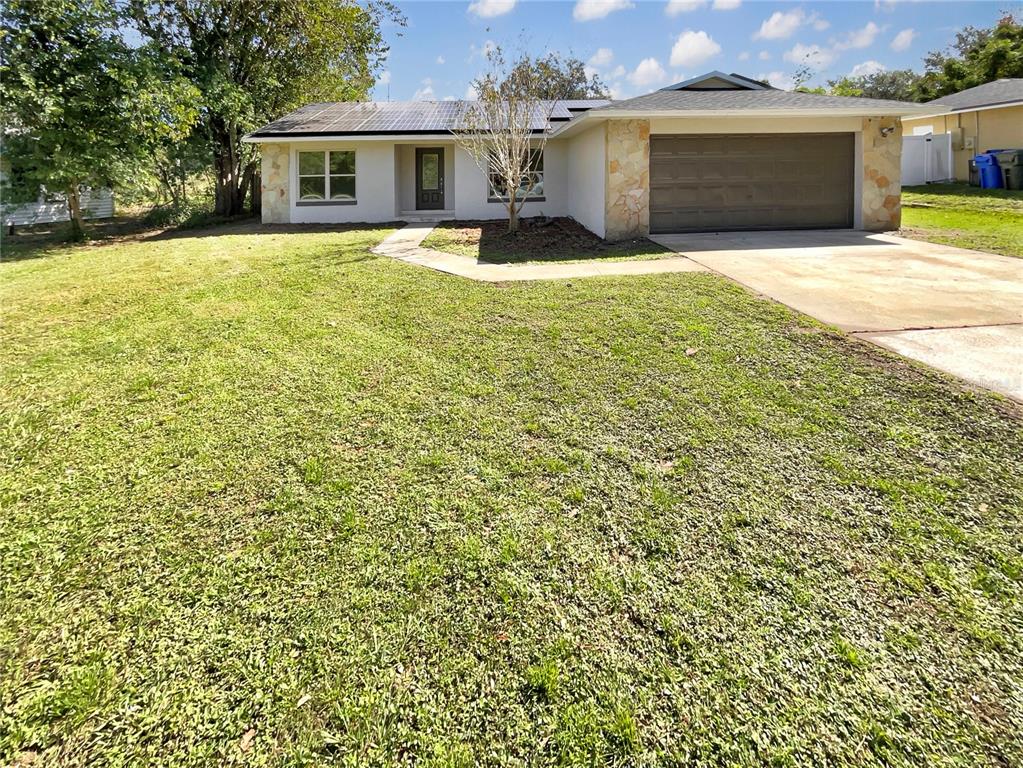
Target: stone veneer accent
point(627, 190)
point(275, 182)
point(882, 174)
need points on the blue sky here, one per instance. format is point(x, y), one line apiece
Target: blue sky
point(638, 46)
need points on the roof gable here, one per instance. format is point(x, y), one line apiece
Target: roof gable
point(718, 81)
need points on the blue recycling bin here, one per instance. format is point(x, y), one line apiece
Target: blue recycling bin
point(990, 171)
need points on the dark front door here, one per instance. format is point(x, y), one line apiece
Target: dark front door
point(429, 179)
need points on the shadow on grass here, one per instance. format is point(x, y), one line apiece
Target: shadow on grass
point(44, 240)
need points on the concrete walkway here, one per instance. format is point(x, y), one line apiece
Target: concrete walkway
point(406, 245)
point(955, 309)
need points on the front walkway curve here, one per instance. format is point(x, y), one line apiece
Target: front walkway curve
point(406, 245)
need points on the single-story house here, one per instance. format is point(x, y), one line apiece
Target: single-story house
point(989, 116)
point(716, 152)
point(48, 207)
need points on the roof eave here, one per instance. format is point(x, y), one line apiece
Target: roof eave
point(781, 112)
point(977, 108)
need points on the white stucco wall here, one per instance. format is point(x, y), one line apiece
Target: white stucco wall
point(374, 185)
point(754, 124)
point(471, 187)
point(586, 178)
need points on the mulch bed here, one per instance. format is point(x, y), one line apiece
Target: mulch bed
point(539, 238)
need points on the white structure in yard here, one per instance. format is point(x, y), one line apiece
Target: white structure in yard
point(927, 158)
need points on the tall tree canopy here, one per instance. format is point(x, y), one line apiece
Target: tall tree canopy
point(976, 57)
point(899, 84)
point(79, 106)
point(253, 60)
point(555, 77)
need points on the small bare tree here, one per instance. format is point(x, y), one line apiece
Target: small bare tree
point(505, 129)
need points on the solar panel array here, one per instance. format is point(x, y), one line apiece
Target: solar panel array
point(398, 117)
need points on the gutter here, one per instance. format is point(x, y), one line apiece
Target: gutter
point(636, 114)
point(964, 110)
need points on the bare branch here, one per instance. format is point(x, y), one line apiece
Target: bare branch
point(504, 130)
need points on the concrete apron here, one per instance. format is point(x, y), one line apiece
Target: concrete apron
point(957, 310)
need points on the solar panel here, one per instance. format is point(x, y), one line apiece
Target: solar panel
point(341, 118)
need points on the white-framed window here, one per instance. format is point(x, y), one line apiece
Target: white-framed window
point(530, 185)
point(326, 177)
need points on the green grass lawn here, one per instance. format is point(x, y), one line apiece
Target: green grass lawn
point(969, 217)
point(267, 499)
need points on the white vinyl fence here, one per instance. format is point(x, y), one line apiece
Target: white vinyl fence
point(96, 204)
point(926, 159)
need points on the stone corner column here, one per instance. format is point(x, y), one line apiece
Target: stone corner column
point(275, 182)
point(882, 173)
point(627, 184)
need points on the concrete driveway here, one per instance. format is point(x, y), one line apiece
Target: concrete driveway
point(952, 308)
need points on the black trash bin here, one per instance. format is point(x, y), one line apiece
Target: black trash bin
point(1011, 163)
point(974, 173)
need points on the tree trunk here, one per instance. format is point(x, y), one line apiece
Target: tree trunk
point(74, 205)
point(256, 201)
point(513, 215)
point(229, 189)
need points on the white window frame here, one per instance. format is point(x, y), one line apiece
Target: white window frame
point(493, 196)
point(326, 176)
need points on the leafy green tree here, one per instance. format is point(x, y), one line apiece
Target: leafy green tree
point(556, 77)
point(254, 60)
point(79, 106)
point(976, 57)
point(899, 84)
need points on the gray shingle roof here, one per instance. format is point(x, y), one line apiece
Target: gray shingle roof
point(751, 100)
point(997, 92)
point(397, 117)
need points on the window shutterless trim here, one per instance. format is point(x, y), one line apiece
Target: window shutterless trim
point(326, 175)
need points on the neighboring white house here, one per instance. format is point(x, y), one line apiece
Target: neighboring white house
point(96, 204)
point(717, 152)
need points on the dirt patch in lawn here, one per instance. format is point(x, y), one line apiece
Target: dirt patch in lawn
point(538, 239)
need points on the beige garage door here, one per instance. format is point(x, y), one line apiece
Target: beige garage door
point(769, 181)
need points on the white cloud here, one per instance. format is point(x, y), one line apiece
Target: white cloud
point(744, 56)
point(780, 25)
point(858, 38)
point(487, 9)
point(903, 40)
point(812, 55)
point(426, 92)
point(867, 68)
point(470, 93)
point(693, 48)
point(385, 77)
point(440, 59)
point(764, 56)
point(588, 10)
point(617, 72)
point(675, 7)
point(726, 5)
point(778, 80)
point(783, 24)
point(648, 72)
point(601, 58)
point(450, 98)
